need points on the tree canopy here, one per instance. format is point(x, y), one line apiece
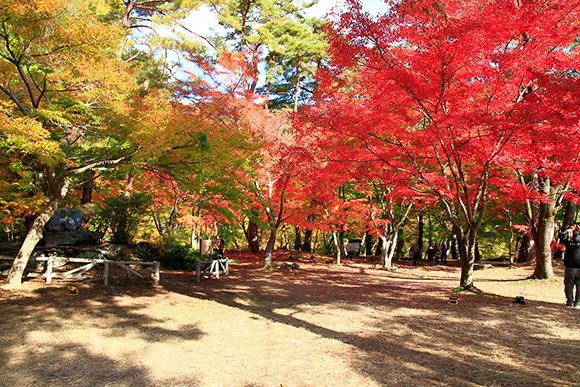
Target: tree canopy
point(455, 97)
point(460, 110)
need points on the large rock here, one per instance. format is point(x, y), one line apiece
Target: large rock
point(67, 238)
point(481, 266)
point(286, 265)
point(143, 250)
point(65, 219)
point(114, 251)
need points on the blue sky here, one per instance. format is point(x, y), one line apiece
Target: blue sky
point(323, 6)
point(205, 23)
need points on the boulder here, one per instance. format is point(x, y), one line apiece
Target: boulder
point(481, 266)
point(286, 265)
point(90, 254)
point(114, 251)
point(68, 238)
point(143, 250)
point(65, 219)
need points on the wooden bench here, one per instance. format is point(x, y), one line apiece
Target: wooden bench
point(79, 272)
point(214, 267)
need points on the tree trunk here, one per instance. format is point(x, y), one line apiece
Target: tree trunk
point(430, 230)
point(121, 234)
point(270, 248)
point(341, 244)
point(569, 215)
point(172, 222)
point(385, 261)
point(379, 249)
point(368, 244)
point(544, 237)
point(274, 220)
point(454, 247)
point(268, 90)
point(389, 244)
point(297, 242)
point(526, 248)
point(194, 238)
point(253, 240)
point(420, 237)
point(127, 16)
point(34, 235)
point(400, 246)
point(87, 194)
point(362, 251)
point(336, 245)
point(541, 220)
point(511, 242)
point(466, 245)
point(86, 198)
point(297, 84)
point(307, 245)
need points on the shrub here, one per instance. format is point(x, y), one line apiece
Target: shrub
point(122, 216)
point(177, 257)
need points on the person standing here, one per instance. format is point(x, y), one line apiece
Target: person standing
point(431, 254)
point(437, 256)
point(415, 253)
point(444, 254)
point(219, 246)
point(571, 240)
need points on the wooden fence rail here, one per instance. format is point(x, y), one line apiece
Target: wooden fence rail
point(79, 272)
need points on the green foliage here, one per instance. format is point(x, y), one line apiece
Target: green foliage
point(176, 237)
point(177, 257)
point(29, 137)
point(493, 240)
point(297, 50)
point(122, 215)
point(174, 252)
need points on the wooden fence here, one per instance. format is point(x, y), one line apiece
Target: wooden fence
point(88, 264)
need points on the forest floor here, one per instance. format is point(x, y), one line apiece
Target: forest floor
point(319, 325)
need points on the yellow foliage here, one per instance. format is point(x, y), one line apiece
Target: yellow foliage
point(73, 78)
point(28, 136)
point(29, 7)
point(100, 7)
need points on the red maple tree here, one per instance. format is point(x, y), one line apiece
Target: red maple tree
point(456, 96)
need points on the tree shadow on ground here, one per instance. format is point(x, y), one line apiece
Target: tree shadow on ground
point(26, 362)
point(70, 365)
point(399, 331)
point(412, 334)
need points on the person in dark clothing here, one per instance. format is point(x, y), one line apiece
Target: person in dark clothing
point(444, 254)
point(431, 253)
point(415, 254)
point(437, 257)
point(221, 245)
point(571, 240)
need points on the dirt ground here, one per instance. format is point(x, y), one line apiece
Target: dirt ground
point(319, 325)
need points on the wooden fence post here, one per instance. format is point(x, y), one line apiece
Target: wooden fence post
point(106, 273)
point(198, 270)
point(156, 273)
point(49, 270)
